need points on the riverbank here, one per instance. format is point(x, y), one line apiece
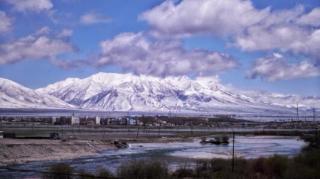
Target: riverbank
point(17, 151)
point(175, 152)
point(304, 165)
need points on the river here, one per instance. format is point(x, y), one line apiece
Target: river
point(175, 154)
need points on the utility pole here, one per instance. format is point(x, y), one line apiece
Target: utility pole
point(314, 114)
point(159, 123)
point(191, 128)
point(233, 151)
point(298, 111)
point(138, 131)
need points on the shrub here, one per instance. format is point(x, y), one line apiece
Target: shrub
point(313, 140)
point(59, 171)
point(272, 167)
point(258, 166)
point(143, 170)
point(104, 173)
point(276, 166)
point(183, 173)
point(85, 175)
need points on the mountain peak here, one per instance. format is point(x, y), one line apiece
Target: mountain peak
point(6, 84)
point(14, 95)
point(121, 92)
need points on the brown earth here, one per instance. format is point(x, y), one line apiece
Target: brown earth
point(14, 151)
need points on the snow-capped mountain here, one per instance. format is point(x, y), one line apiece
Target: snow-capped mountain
point(13, 95)
point(127, 92)
point(122, 92)
point(290, 101)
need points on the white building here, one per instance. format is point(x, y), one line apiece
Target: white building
point(53, 120)
point(98, 119)
point(75, 120)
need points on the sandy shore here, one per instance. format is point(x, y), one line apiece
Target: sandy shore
point(15, 151)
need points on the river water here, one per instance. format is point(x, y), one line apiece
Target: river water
point(175, 154)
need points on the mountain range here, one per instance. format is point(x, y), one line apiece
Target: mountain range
point(128, 92)
point(14, 95)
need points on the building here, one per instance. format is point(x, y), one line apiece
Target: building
point(53, 120)
point(131, 121)
point(98, 120)
point(75, 120)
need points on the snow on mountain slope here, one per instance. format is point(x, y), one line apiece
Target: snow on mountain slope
point(13, 95)
point(290, 101)
point(121, 92)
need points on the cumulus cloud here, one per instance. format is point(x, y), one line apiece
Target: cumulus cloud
point(69, 64)
point(283, 37)
point(251, 29)
point(137, 53)
point(203, 16)
point(5, 22)
point(94, 18)
point(312, 18)
point(43, 31)
point(31, 5)
point(39, 45)
point(282, 31)
point(141, 54)
point(293, 31)
point(65, 33)
point(277, 68)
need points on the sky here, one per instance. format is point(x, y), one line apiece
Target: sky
point(266, 45)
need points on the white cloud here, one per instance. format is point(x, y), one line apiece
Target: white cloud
point(43, 31)
point(284, 38)
point(33, 47)
point(70, 64)
point(282, 31)
point(94, 18)
point(268, 38)
point(5, 22)
point(292, 31)
point(312, 18)
point(203, 16)
point(65, 33)
point(31, 5)
point(142, 55)
point(277, 68)
point(287, 30)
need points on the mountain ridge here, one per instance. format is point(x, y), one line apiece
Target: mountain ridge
point(128, 92)
point(14, 95)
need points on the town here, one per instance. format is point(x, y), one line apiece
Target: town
point(11, 125)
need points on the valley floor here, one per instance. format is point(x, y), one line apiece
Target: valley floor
point(79, 142)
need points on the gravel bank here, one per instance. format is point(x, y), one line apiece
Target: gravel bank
point(15, 151)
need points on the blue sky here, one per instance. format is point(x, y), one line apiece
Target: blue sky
point(44, 41)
